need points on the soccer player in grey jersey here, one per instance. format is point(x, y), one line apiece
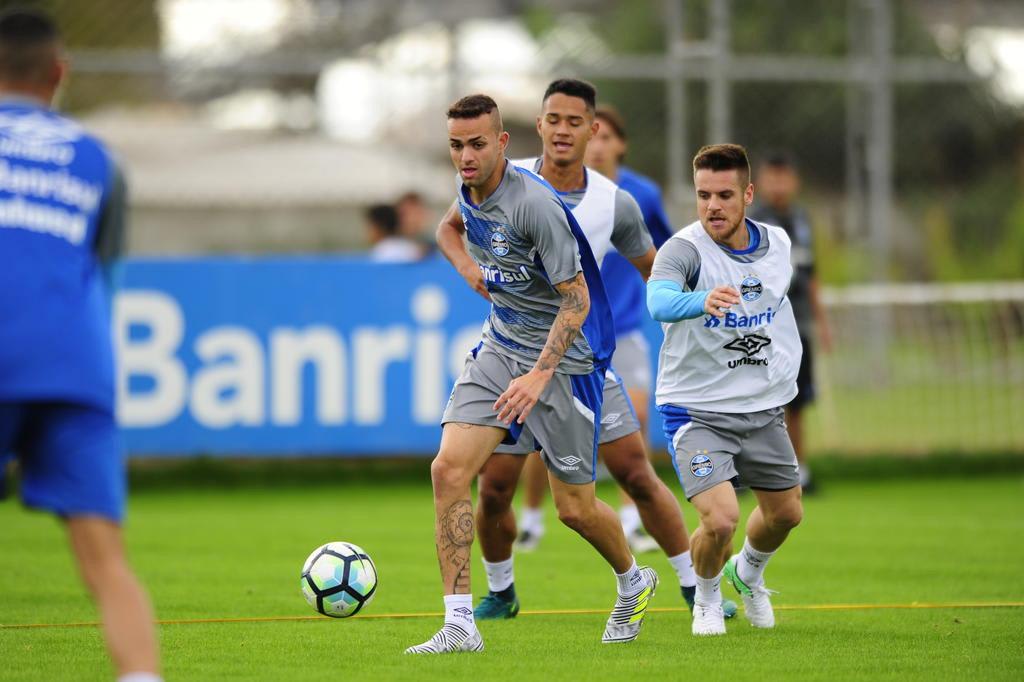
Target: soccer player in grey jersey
point(540, 366)
point(727, 367)
point(609, 217)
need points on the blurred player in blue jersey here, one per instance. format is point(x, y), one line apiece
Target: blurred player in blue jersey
point(538, 373)
point(61, 212)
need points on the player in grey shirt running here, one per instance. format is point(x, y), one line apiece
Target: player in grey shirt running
point(540, 366)
point(608, 217)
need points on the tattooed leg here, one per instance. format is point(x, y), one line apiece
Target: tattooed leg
point(454, 542)
point(464, 449)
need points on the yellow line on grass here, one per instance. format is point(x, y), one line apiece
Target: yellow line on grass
point(549, 612)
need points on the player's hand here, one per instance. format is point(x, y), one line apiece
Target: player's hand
point(521, 395)
point(721, 299)
point(475, 279)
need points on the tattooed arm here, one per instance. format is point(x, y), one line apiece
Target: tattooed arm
point(523, 392)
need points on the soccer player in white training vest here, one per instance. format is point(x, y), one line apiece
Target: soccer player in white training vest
point(608, 216)
point(727, 367)
point(540, 368)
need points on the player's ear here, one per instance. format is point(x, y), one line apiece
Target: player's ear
point(503, 140)
point(540, 119)
point(748, 195)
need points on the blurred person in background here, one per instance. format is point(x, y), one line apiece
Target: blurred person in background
point(778, 183)
point(62, 206)
point(416, 220)
point(387, 245)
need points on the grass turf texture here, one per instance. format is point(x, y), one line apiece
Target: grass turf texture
point(237, 553)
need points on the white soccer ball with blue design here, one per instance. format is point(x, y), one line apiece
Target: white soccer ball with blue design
point(339, 579)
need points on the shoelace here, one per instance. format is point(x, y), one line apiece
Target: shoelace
point(761, 590)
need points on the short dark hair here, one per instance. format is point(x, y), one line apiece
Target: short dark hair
point(778, 159)
point(474, 106)
point(27, 37)
point(573, 88)
point(384, 217)
point(410, 196)
point(723, 157)
point(611, 116)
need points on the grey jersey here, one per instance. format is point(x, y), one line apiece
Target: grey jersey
point(521, 238)
point(679, 261)
point(630, 235)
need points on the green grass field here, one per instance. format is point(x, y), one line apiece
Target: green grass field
point(236, 553)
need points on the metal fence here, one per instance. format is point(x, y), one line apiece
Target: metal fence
point(896, 110)
point(267, 125)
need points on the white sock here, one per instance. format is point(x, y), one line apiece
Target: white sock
point(458, 609)
point(750, 564)
point(630, 582)
point(140, 677)
point(532, 520)
point(630, 519)
point(708, 590)
point(499, 574)
point(683, 564)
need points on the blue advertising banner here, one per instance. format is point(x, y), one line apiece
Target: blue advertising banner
point(296, 355)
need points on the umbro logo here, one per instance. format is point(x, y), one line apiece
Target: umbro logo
point(612, 418)
point(570, 463)
point(463, 611)
point(748, 345)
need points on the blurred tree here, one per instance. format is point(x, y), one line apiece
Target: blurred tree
point(103, 25)
point(957, 148)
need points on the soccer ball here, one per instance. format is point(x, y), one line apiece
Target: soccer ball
point(339, 579)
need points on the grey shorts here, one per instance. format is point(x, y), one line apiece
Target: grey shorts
point(632, 361)
point(561, 424)
point(618, 419)
point(709, 448)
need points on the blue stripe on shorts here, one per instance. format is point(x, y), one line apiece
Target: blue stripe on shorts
point(589, 390)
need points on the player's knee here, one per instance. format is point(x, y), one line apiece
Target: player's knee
point(495, 499)
point(640, 482)
point(448, 475)
point(786, 517)
point(721, 526)
point(573, 513)
point(101, 570)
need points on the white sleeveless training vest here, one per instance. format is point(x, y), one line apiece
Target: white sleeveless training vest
point(595, 213)
point(748, 360)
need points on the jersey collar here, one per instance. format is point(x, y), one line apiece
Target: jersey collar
point(753, 234)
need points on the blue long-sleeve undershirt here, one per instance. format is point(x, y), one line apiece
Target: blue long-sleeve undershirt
point(667, 302)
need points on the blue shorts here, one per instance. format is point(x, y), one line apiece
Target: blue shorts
point(70, 456)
